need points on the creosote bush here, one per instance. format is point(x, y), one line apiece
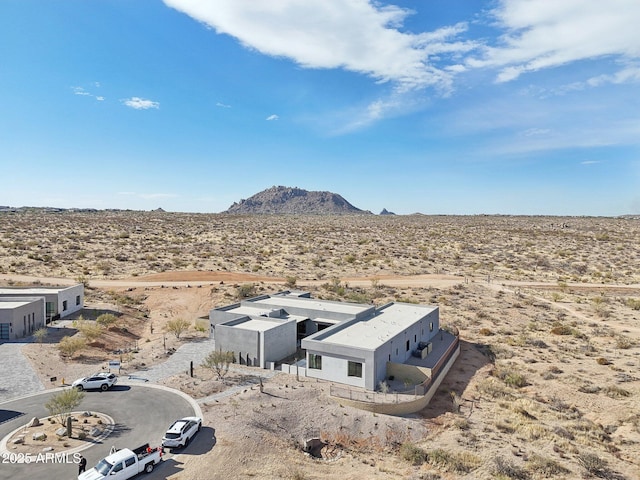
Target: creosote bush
point(412, 453)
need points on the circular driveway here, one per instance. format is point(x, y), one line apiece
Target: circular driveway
point(141, 414)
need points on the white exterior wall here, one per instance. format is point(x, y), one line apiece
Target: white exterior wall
point(335, 369)
point(71, 296)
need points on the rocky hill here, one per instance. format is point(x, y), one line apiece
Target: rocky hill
point(278, 200)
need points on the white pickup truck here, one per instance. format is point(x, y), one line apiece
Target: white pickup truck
point(124, 463)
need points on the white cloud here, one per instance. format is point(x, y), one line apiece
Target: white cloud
point(80, 91)
point(531, 132)
point(355, 35)
point(545, 34)
point(222, 105)
point(272, 117)
point(590, 162)
point(141, 103)
point(100, 98)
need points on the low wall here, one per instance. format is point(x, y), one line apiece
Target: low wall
point(410, 406)
point(401, 371)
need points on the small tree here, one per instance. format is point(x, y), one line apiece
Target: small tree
point(90, 330)
point(63, 403)
point(219, 362)
point(69, 346)
point(40, 334)
point(177, 326)
point(291, 282)
point(106, 320)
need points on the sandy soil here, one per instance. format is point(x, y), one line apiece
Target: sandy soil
point(548, 310)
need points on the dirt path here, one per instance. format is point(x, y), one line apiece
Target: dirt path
point(194, 278)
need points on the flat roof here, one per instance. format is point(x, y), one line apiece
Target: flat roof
point(373, 331)
point(257, 325)
point(30, 290)
point(285, 301)
point(11, 305)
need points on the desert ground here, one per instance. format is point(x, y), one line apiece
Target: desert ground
point(548, 310)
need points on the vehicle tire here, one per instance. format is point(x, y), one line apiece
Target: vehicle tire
point(199, 426)
point(79, 387)
point(148, 468)
point(186, 441)
point(104, 387)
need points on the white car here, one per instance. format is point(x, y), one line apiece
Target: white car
point(102, 381)
point(181, 432)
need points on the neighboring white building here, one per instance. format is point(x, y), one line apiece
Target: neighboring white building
point(59, 301)
point(20, 316)
point(345, 342)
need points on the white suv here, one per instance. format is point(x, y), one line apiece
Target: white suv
point(181, 432)
point(102, 380)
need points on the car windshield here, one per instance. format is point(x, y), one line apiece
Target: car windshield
point(172, 435)
point(103, 467)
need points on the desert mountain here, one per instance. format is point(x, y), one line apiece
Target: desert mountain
point(295, 200)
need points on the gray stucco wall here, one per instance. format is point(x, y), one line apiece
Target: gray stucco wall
point(278, 342)
point(244, 343)
point(25, 319)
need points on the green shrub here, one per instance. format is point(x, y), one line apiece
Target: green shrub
point(412, 453)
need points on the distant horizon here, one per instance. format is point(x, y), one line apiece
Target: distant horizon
point(364, 212)
point(524, 107)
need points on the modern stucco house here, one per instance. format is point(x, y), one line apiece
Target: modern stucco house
point(20, 316)
point(356, 352)
point(347, 343)
point(59, 301)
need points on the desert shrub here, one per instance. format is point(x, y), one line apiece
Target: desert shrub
point(90, 330)
point(492, 388)
point(485, 331)
point(40, 334)
point(602, 361)
point(546, 466)
point(623, 342)
point(177, 326)
point(594, 465)
point(69, 346)
point(412, 453)
point(506, 469)
point(201, 325)
point(510, 377)
point(82, 435)
point(562, 330)
point(633, 303)
point(589, 388)
point(246, 290)
point(106, 319)
point(459, 462)
point(614, 391)
point(291, 282)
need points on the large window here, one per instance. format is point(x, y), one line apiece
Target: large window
point(355, 369)
point(64, 305)
point(77, 299)
point(315, 361)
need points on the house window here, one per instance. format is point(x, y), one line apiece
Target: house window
point(355, 369)
point(407, 345)
point(431, 326)
point(77, 299)
point(64, 305)
point(315, 361)
point(415, 338)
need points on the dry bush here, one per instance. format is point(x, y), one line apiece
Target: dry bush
point(505, 469)
point(412, 453)
point(509, 375)
point(459, 462)
point(548, 467)
point(69, 346)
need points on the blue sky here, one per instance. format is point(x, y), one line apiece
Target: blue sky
point(437, 106)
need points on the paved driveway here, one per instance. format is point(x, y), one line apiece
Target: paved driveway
point(18, 377)
point(141, 413)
